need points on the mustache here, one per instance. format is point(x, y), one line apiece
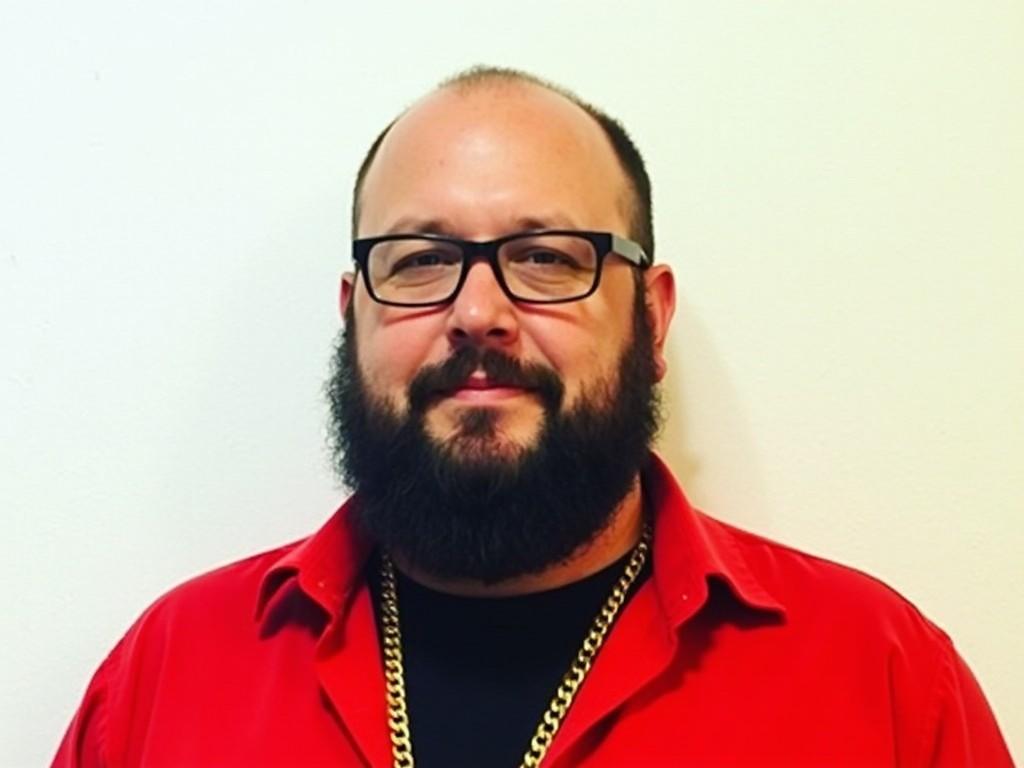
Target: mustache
point(497, 366)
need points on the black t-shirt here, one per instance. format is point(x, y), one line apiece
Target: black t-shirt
point(480, 672)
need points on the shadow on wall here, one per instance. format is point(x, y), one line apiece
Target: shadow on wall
point(706, 437)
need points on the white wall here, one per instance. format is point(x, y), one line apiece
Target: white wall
point(839, 186)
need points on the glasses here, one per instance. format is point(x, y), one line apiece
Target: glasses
point(549, 266)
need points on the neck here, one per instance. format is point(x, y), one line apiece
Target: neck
point(618, 538)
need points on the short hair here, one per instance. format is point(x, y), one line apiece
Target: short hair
point(641, 215)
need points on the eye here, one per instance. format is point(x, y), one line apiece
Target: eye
point(545, 257)
point(424, 260)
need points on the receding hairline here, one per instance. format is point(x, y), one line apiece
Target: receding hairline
point(635, 202)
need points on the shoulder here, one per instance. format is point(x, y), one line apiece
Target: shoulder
point(869, 642)
point(200, 628)
point(225, 591)
point(225, 607)
point(837, 599)
point(199, 620)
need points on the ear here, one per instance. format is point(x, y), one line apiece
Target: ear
point(347, 291)
point(661, 305)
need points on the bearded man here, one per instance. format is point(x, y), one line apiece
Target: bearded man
point(517, 579)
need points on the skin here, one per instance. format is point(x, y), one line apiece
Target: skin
point(479, 164)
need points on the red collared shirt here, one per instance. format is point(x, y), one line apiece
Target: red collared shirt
point(737, 651)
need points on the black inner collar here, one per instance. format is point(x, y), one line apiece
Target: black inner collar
point(480, 671)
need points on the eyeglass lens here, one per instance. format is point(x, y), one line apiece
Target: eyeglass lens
point(534, 267)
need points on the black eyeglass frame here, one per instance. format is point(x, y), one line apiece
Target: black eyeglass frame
point(604, 243)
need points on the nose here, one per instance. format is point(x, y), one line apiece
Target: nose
point(482, 314)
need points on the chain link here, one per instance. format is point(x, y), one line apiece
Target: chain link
point(394, 673)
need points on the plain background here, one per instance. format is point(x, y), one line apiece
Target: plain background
point(839, 187)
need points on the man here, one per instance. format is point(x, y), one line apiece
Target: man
point(517, 579)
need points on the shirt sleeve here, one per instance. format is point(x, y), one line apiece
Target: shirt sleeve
point(84, 740)
point(962, 731)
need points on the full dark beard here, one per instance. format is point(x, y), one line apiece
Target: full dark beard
point(459, 510)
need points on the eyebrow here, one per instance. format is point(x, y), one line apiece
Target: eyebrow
point(412, 225)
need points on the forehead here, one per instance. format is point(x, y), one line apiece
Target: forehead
point(481, 160)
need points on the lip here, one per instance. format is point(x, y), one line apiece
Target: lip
point(480, 389)
point(494, 393)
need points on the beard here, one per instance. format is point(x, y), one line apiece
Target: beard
point(466, 508)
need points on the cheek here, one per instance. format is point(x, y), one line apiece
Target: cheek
point(578, 354)
point(391, 354)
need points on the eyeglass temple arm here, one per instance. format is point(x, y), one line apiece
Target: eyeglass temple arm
point(630, 251)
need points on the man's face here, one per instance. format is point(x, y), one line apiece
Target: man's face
point(478, 166)
point(490, 438)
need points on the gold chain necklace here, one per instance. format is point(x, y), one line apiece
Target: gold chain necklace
point(394, 673)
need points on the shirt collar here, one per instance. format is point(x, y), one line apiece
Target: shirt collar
point(689, 548)
point(326, 566)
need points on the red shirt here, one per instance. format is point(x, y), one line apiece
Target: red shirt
point(737, 651)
